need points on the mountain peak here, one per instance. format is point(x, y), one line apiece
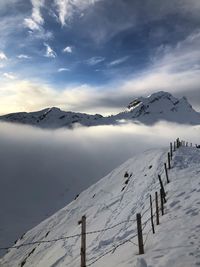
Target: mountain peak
point(151, 99)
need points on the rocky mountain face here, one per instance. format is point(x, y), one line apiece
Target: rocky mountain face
point(160, 106)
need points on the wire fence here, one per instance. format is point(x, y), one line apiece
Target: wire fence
point(149, 218)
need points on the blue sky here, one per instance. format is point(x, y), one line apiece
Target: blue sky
point(96, 55)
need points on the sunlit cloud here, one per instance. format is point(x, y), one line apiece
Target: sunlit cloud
point(3, 56)
point(31, 24)
point(67, 8)
point(63, 69)
point(67, 49)
point(22, 56)
point(36, 13)
point(36, 19)
point(49, 51)
point(95, 60)
point(9, 76)
point(118, 61)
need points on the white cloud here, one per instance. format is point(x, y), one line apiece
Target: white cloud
point(31, 24)
point(35, 21)
point(63, 69)
point(118, 61)
point(36, 13)
point(67, 49)
point(49, 51)
point(9, 76)
point(3, 56)
point(23, 56)
point(95, 60)
point(66, 8)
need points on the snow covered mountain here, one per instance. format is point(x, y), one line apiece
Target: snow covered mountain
point(160, 106)
point(110, 207)
point(52, 118)
point(156, 107)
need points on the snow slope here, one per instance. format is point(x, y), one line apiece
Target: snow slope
point(112, 204)
point(156, 107)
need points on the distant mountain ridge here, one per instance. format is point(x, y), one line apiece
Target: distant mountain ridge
point(160, 106)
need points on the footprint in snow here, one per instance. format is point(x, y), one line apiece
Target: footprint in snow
point(187, 197)
point(192, 212)
point(192, 191)
point(174, 203)
point(181, 194)
point(158, 256)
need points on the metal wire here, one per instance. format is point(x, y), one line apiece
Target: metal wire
point(66, 237)
point(113, 250)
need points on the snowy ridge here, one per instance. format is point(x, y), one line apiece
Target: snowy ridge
point(52, 118)
point(112, 204)
point(156, 107)
point(161, 106)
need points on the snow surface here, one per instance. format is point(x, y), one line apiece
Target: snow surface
point(175, 243)
point(156, 107)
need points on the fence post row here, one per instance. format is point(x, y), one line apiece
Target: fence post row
point(83, 241)
point(140, 236)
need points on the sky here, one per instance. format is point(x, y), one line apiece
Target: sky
point(95, 56)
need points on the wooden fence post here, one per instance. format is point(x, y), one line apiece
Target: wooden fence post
point(140, 236)
point(83, 241)
point(174, 146)
point(162, 188)
point(169, 163)
point(177, 143)
point(157, 208)
point(152, 223)
point(166, 172)
point(171, 151)
point(161, 202)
